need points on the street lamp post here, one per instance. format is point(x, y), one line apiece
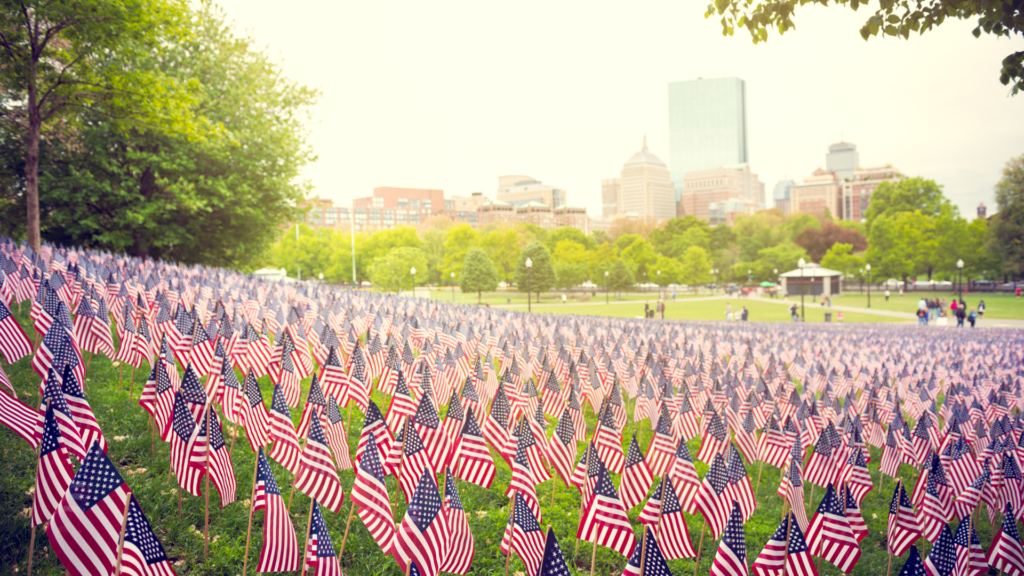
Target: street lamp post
point(960, 273)
point(453, 286)
point(867, 269)
point(529, 269)
point(775, 272)
point(413, 287)
point(801, 264)
point(606, 287)
point(659, 283)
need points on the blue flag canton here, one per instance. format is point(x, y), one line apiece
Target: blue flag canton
point(53, 393)
point(1011, 471)
point(252, 390)
point(51, 433)
point(634, 455)
point(554, 563)
point(413, 443)
point(316, 393)
point(333, 411)
point(500, 408)
point(266, 476)
point(523, 517)
point(451, 492)
point(664, 423)
point(316, 432)
point(138, 532)
point(191, 388)
point(216, 434)
point(733, 536)
point(426, 414)
point(373, 415)
point(669, 499)
point(830, 504)
point(455, 410)
point(278, 403)
point(370, 460)
point(735, 469)
point(470, 427)
point(797, 543)
point(62, 348)
point(183, 422)
point(748, 423)
point(683, 451)
point(1010, 524)
point(717, 476)
point(358, 365)
point(4, 312)
point(70, 385)
point(943, 554)
point(318, 529)
point(96, 479)
point(604, 487)
point(963, 535)
point(425, 504)
point(823, 447)
point(469, 390)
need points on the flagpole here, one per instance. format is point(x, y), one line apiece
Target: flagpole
point(586, 465)
point(696, 561)
point(888, 547)
point(252, 496)
point(511, 530)
point(120, 542)
point(35, 497)
point(785, 556)
point(309, 526)
point(347, 524)
point(206, 513)
point(401, 458)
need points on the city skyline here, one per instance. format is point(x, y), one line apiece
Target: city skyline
point(452, 103)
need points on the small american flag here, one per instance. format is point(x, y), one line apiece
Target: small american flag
point(933, 514)
point(524, 536)
point(13, 342)
point(69, 429)
point(1005, 553)
point(471, 457)
point(636, 478)
point(74, 396)
point(710, 498)
point(459, 556)
point(830, 536)
point(183, 430)
point(661, 450)
point(85, 530)
point(903, 526)
point(286, 450)
point(280, 552)
point(731, 559)
point(739, 488)
point(220, 468)
point(522, 481)
point(941, 560)
point(370, 495)
point(604, 520)
point(496, 425)
point(561, 451)
point(54, 471)
point(609, 442)
point(665, 513)
point(373, 423)
point(715, 438)
point(789, 549)
point(649, 555)
point(423, 535)
point(970, 556)
point(320, 557)
point(554, 563)
point(256, 420)
point(315, 402)
point(684, 476)
point(317, 477)
point(142, 555)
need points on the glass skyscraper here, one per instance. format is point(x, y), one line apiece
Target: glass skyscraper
point(707, 125)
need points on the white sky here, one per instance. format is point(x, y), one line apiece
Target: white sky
point(452, 94)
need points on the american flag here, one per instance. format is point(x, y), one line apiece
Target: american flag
point(604, 520)
point(53, 473)
point(69, 430)
point(86, 528)
point(609, 442)
point(423, 535)
point(320, 557)
point(337, 435)
point(820, 469)
point(830, 536)
point(523, 481)
point(933, 514)
point(428, 426)
point(715, 439)
point(415, 462)
point(357, 390)
point(142, 554)
point(856, 475)
point(786, 546)
point(903, 527)
point(13, 342)
point(370, 494)
point(220, 468)
point(970, 556)
point(183, 431)
point(315, 402)
point(471, 457)
point(286, 449)
point(636, 478)
point(773, 446)
point(317, 477)
point(792, 490)
point(854, 517)
point(1005, 552)
point(739, 488)
point(664, 512)
point(1013, 483)
point(496, 425)
point(554, 563)
point(256, 420)
point(373, 423)
point(684, 476)
point(562, 451)
point(731, 559)
point(968, 499)
point(648, 555)
point(891, 455)
point(710, 498)
point(459, 556)
point(402, 404)
point(660, 452)
point(587, 471)
point(913, 566)
point(280, 552)
point(576, 414)
point(454, 418)
point(523, 536)
point(82, 412)
point(941, 560)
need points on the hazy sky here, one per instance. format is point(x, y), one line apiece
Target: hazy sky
point(451, 95)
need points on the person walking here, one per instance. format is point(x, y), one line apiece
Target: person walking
point(744, 314)
point(886, 294)
point(981, 308)
point(960, 315)
point(922, 316)
point(1018, 292)
point(793, 314)
point(972, 317)
point(728, 312)
point(901, 291)
point(647, 309)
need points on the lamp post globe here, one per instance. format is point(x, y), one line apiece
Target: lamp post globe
point(960, 277)
point(606, 287)
point(867, 269)
point(529, 269)
point(453, 286)
point(802, 264)
point(412, 271)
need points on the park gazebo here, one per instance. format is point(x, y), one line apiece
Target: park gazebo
point(815, 280)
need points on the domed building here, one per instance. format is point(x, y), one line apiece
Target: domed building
point(645, 187)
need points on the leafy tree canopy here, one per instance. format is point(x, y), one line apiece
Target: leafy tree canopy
point(478, 273)
point(817, 241)
point(541, 275)
point(907, 195)
point(1008, 223)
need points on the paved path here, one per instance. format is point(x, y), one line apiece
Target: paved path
point(909, 316)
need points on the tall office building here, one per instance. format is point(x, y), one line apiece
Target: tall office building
point(645, 187)
point(781, 194)
point(521, 189)
point(609, 197)
point(843, 159)
point(707, 125)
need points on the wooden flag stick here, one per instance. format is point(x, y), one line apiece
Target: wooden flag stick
point(785, 556)
point(888, 548)
point(643, 550)
point(586, 464)
point(206, 513)
point(35, 497)
point(760, 469)
point(252, 496)
point(512, 530)
point(131, 385)
point(593, 555)
point(348, 523)
point(309, 526)
point(291, 493)
point(696, 561)
point(120, 541)
point(554, 484)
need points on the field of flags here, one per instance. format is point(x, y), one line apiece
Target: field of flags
point(310, 429)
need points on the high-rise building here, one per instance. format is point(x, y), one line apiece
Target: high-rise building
point(843, 159)
point(857, 189)
point(520, 189)
point(645, 187)
point(609, 197)
point(322, 213)
point(982, 211)
point(703, 188)
point(819, 194)
point(707, 125)
point(390, 207)
point(781, 194)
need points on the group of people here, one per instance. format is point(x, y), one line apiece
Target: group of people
point(931, 308)
point(740, 314)
point(657, 311)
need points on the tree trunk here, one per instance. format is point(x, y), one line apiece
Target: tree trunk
point(35, 124)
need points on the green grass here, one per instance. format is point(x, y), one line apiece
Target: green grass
point(1002, 306)
point(127, 429)
point(502, 297)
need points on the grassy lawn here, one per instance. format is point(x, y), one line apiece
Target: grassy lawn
point(1005, 306)
point(760, 311)
point(501, 297)
point(127, 429)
